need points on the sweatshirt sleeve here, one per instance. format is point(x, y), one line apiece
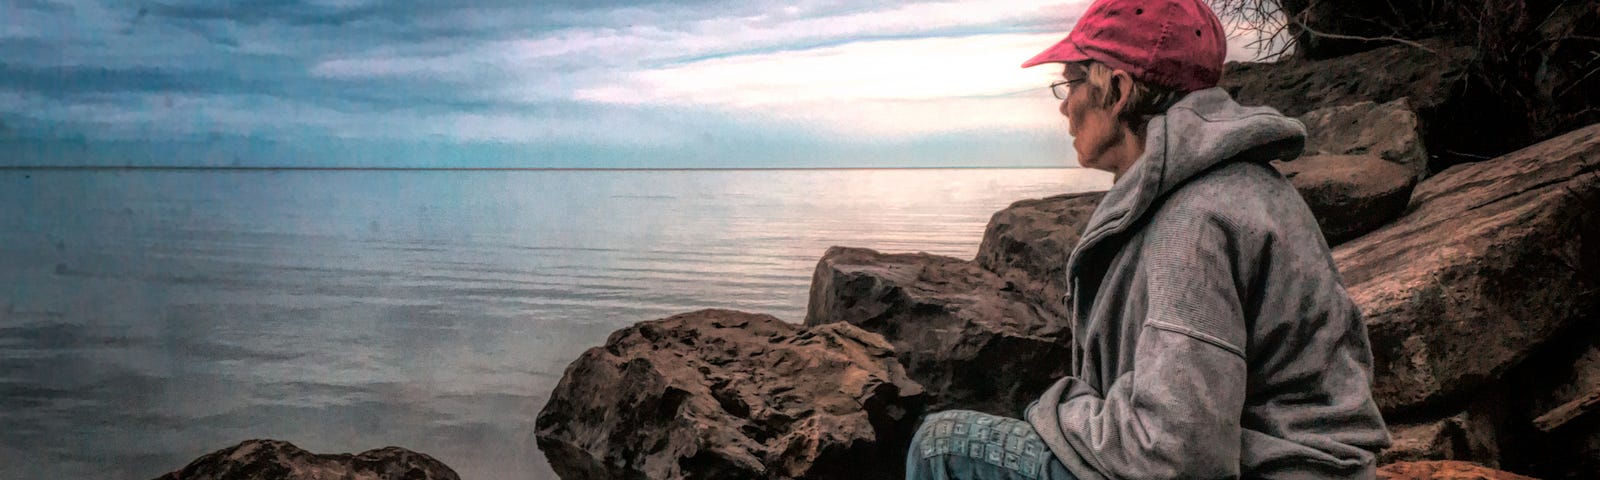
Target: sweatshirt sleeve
point(1176, 414)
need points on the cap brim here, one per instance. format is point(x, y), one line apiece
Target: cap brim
point(1062, 52)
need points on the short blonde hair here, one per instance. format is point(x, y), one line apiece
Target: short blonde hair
point(1145, 101)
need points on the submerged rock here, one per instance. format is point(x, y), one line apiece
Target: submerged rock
point(1493, 260)
point(719, 394)
point(279, 460)
point(973, 340)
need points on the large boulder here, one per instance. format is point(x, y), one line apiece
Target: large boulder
point(1387, 130)
point(279, 460)
point(718, 394)
point(972, 340)
point(1493, 260)
point(1444, 470)
point(1350, 195)
point(1450, 98)
point(1027, 245)
point(1428, 80)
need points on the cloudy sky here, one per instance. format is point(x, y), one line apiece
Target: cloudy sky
point(504, 83)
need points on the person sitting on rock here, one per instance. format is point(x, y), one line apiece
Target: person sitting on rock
point(1211, 336)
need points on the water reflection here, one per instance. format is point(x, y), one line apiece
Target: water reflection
point(147, 318)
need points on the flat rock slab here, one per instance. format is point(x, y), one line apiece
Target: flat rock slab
point(971, 340)
point(720, 394)
point(1493, 260)
point(279, 460)
point(1444, 470)
point(1350, 195)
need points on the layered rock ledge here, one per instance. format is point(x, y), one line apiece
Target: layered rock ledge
point(1493, 260)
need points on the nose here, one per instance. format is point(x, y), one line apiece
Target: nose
point(1064, 110)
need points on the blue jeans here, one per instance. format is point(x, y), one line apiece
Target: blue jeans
point(968, 445)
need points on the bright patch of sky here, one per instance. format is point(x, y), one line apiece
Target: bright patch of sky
point(501, 83)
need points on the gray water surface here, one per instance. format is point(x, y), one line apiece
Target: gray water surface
point(150, 317)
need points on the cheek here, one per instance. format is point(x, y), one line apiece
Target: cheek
point(1087, 122)
point(1074, 113)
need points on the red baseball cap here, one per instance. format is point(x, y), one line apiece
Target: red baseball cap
point(1172, 43)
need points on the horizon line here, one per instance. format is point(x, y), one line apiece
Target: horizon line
point(534, 169)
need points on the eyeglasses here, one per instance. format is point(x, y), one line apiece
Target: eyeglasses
point(1063, 88)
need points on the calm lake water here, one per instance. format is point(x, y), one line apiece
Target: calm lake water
point(150, 317)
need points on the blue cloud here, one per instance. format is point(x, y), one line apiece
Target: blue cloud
point(463, 83)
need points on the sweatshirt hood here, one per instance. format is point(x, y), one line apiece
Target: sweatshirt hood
point(1204, 129)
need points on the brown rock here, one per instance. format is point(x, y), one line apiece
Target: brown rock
point(1298, 86)
point(1387, 130)
point(1453, 105)
point(278, 460)
point(1463, 436)
point(1350, 194)
point(718, 394)
point(974, 342)
point(1444, 470)
point(1027, 245)
point(1493, 260)
point(1535, 60)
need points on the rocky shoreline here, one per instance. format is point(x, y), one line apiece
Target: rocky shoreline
point(1455, 172)
point(1478, 282)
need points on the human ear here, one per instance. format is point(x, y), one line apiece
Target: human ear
point(1121, 88)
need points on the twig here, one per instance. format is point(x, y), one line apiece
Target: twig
point(1462, 154)
point(1579, 80)
point(1337, 36)
point(1261, 19)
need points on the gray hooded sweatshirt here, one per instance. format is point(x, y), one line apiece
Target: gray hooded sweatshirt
point(1212, 337)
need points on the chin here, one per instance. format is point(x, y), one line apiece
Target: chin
point(1086, 162)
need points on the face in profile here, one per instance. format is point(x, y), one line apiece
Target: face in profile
point(1091, 125)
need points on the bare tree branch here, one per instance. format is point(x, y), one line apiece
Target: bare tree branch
point(1337, 36)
